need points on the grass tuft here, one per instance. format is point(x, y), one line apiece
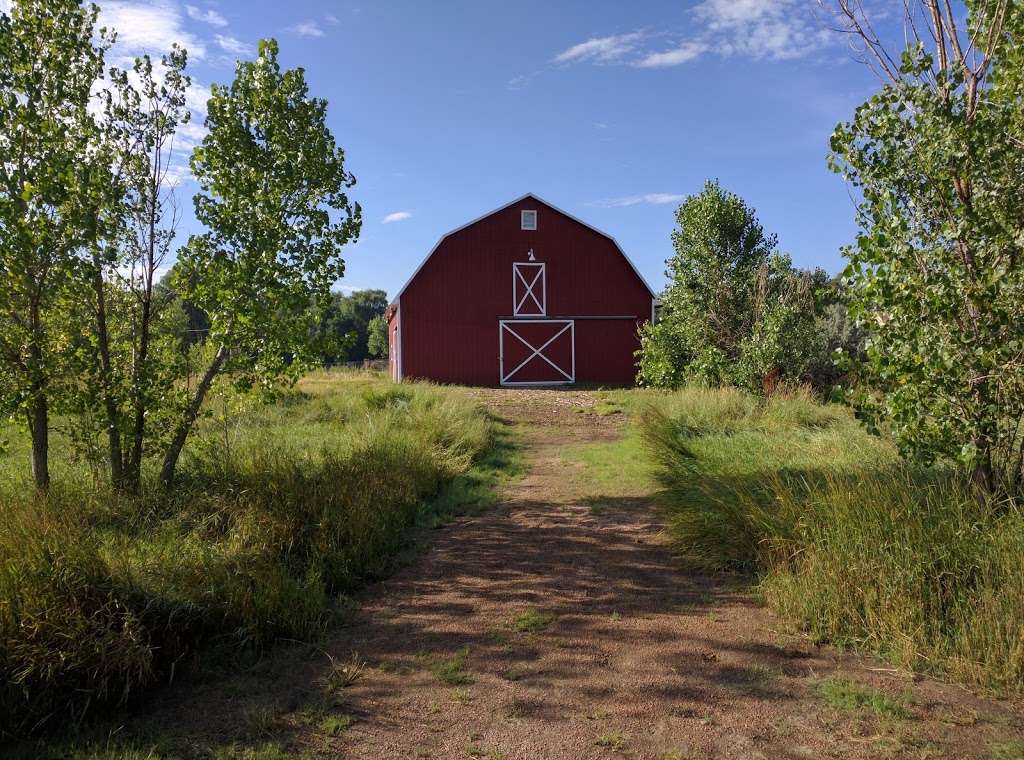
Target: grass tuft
point(845, 694)
point(531, 620)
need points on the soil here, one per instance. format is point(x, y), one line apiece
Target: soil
point(544, 628)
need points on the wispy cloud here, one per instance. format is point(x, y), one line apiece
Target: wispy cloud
point(686, 51)
point(396, 216)
point(231, 44)
point(774, 30)
point(207, 16)
point(601, 49)
point(306, 29)
point(653, 199)
point(149, 28)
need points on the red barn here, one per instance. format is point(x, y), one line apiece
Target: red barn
point(525, 295)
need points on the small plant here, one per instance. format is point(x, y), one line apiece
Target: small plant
point(335, 725)
point(460, 696)
point(531, 620)
point(343, 673)
point(450, 670)
point(843, 693)
point(615, 741)
point(515, 673)
point(259, 721)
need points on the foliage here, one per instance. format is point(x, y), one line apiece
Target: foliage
point(101, 593)
point(735, 310)
point(272, 183)
point(345, 325)
point(937, 272)
point(854, 546)
point(133, 367)
point(377, 338)
point(48, 185)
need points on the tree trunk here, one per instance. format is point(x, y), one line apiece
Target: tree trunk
point(39, 428)
point(109, 402)
point(178, 442)
point(140, 376)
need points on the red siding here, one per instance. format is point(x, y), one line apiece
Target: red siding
point(449, 313)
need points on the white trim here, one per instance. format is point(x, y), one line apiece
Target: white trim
point(505, 206)
point(530, 292)
point(522, 219)
point(398, 342)
point(503, 327)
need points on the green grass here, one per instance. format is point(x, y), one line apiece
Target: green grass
point(450, 670)
point(842, 693)
point(280, 510)
point(531, 620)
point(858, 548)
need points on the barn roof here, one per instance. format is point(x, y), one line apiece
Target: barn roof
point(503, 206)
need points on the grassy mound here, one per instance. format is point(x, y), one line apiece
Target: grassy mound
point(858, 548)
point(280, 509)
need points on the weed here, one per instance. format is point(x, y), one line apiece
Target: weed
point(335, 725)
point(449, 670)
point(259, 721)
point(845, 694)
point(460, 696)
point(343, 673)
point(616, 742)
point(531, 620)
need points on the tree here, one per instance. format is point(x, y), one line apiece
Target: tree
point(134, 376)
point(937, 272)
point(735, 310)
point(272, 198)
point(345, 326)
point(48, 181)
point(377, 338)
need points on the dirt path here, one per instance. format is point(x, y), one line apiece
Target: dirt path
point(548, 629)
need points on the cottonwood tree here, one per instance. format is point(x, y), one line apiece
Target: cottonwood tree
point(937, 273)
point(377, 338)
point(48, 66)
point(272, 182)
point(735, 311)
point(135, 371)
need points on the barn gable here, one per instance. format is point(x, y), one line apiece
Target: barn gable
point(541, 201)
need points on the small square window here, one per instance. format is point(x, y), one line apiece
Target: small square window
point(529, 220)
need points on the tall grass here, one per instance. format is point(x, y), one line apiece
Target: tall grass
point(858, 548)
point(280, 508)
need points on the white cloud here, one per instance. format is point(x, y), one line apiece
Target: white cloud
point(208, 16)
point(5, 6)
point(149, 28)
point(397, 216)
point(331, 19)
point(773, 30)
point(231, 44)
point(763, 29)
point(601, 49)
point(687, 51)
point(654, 199)
point(306, 29)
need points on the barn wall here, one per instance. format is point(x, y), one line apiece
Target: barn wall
point(450, 310)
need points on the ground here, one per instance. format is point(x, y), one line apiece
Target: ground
point(559, 624)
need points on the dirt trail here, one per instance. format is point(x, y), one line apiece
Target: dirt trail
point(631, 654)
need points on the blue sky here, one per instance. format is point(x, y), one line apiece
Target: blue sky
point(612, 111)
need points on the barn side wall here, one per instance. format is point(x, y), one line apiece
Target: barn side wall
point(449, 313)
